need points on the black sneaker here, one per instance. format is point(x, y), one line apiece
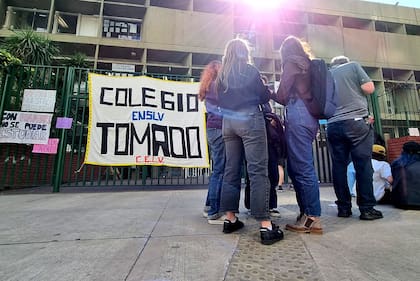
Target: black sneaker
point(371, 214)
point(229, 227)
point(269, 237)
point(344, 213)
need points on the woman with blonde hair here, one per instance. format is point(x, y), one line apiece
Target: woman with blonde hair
point(241, 94)
point(300, 131)
point(208, 94)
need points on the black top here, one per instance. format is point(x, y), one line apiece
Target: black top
point(245, 90)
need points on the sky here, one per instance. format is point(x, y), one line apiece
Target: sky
point(406, 3)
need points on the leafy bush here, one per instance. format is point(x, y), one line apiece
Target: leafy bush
point(78, 60)
point(7, 59)
point(31, 47)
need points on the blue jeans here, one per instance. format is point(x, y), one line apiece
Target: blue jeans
point(273, 176)
point(217, 150)
point(301, 130)
point(351, 178)
point(355, 138)
point(245, 131)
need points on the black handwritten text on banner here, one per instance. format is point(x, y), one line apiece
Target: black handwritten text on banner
point(145, 121)
point(25, 127)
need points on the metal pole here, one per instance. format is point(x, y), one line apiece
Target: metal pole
point(3, 96)
point(61, 152)
point(99, 33)
point(51, 16)
point(376, 113)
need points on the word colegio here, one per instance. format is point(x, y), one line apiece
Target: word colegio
point(149, 97)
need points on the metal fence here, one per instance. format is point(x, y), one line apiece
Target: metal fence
point(20, 167)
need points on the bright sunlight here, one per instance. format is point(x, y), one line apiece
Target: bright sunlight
point(263, 5)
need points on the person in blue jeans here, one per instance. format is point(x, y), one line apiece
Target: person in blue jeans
point(351, 179)
point(276, 152)
point(207, 93)
point(300, 130)
point(241, 92)
point(350, 134)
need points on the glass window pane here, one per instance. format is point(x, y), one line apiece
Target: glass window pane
point(40, 21)
point(22, 19)
point(66, 24)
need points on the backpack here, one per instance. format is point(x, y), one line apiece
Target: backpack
point(324, 97)
point(405, 192)
point(275, 134)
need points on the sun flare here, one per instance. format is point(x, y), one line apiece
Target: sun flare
point(263, 5)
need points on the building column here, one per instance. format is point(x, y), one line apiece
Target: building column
point(101, 19)
point(51, 16)
point(9, 15)
point(99, 34)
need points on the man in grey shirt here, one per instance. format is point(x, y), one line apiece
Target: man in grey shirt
point(350, 134)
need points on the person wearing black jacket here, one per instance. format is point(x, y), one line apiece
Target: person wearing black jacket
point(241, 93)
point(405, 170)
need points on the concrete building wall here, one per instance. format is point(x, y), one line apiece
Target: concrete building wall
point(177, 29)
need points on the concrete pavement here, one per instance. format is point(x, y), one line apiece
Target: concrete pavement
point(162, 236)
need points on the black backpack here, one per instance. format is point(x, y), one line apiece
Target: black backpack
point(275, 134)
point(405, 192)
point(324, 97)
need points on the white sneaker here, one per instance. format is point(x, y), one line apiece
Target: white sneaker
point(219, 220)
point(274, 213)
point(205, 211)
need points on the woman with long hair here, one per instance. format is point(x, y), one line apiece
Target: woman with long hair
point(208, 94)
point(300, 130)
point(241, 94)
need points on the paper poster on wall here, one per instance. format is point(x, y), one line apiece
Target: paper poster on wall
point(413, 132)
point(123, 67)
point(39, 100)
point(145, 121)
point(49, 148)
point(25, 127)
point(276, 86)
point(63, 123)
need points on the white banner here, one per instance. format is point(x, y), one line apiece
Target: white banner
point(25, 127)
point(145, 121)
point(38, 100)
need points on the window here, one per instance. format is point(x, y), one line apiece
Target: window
point(172, 4)
point(321, 19)
point(356, 23)
point(36, 20)
point(383, 26)
point(66, 23)
point(412, 29)
point(121, 29)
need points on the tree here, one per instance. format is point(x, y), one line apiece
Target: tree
point(31, 47)
point(78, 60)
point(7, 59)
